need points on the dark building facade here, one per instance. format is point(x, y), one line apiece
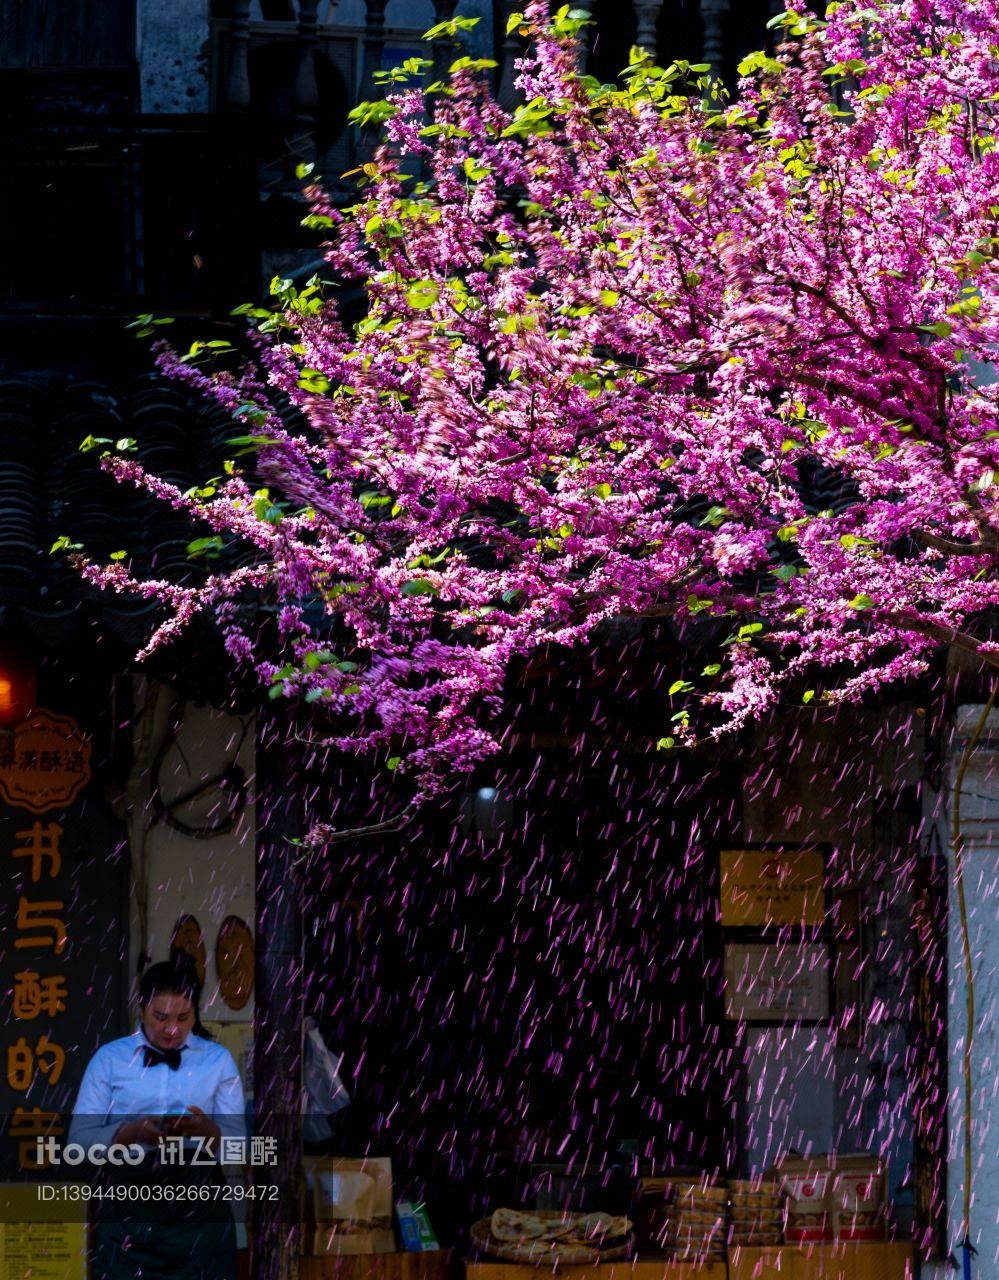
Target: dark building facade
point(149, 167)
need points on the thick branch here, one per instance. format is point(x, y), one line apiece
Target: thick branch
point(951, 548)
point(949, 635)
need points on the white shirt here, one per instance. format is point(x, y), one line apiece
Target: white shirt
point(117, 1087)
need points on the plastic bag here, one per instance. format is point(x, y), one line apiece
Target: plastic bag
point(323, 1093)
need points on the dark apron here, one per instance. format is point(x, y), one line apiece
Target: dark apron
point(151, 1251)
point(159, 1239)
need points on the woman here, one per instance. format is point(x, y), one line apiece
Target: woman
point(175, 1094)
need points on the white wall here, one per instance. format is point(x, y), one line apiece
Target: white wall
point(209, 878)
point(980, 827)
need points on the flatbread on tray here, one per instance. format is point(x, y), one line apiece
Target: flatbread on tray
point(514, 1224)
point(597, 1230)
point(545, 1236)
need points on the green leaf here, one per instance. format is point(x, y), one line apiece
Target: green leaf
point(450, 28)
point(313, 380)
point(755, 62)
point(808, 695)
point(118, 555)
point(303, 170)
point(609, 297)
point(372, 498)
point(366, 114)
point(393, 763)
point(422, 294)
point(680, 686)
point(266, 510)
point(247, 443)
point(942, 329)
point(749, 629)
point(665, 744)
point(64, 544)
point(419, 587)
point(471, 64)
point(861, 602)
point(712, 669)
point(205, 546)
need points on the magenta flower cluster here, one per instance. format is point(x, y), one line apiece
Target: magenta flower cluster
point(615, 342)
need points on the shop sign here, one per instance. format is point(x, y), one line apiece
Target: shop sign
point(40, 993)
point(60, 907)
point(44, 762)
point(777, 983)
point(39, 1237)
point(763, 887)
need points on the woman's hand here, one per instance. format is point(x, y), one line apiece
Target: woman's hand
point(193, 1125)
point(145, 1131)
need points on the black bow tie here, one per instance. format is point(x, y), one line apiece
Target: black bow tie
point(153, 1057)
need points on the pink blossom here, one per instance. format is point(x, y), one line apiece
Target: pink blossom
point(624, 355)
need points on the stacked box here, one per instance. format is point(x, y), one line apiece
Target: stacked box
point(833, 1197)
point(696, 1222)
point(858, 1198)
point(754, 1213)
point(806, 1185)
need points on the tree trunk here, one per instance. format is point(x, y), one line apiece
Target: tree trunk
point(277, 1053)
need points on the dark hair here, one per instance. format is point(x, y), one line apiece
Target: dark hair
point(177, 976)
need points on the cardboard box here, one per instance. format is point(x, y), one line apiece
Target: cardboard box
point(858, 1198)
point(414, 1227)
point(806, 1185)
point(351, 1203)
point(833, 1197)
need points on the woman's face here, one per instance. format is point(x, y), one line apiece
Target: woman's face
point(167, 1020)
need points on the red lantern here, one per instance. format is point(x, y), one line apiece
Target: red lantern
point(18, 686)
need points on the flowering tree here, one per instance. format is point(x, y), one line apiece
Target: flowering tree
point(613, 342)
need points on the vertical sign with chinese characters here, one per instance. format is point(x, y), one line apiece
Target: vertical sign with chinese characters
point(39, 992)
point(61, 904)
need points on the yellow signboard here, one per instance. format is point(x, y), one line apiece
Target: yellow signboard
point(762, 887)
point(41, 1244)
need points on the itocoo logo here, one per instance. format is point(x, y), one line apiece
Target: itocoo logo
point(50, 1151)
